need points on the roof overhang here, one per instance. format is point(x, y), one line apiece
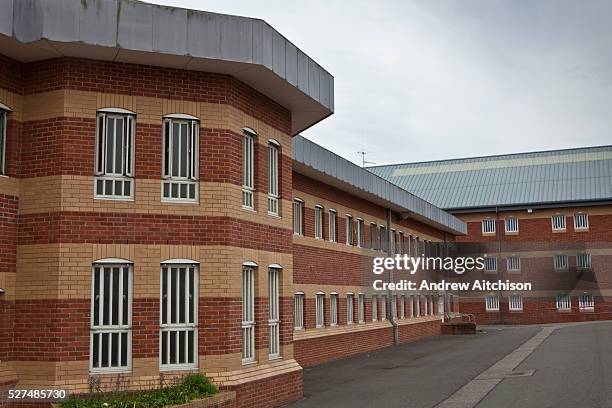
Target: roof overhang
point(135, 32)
point(320, 164)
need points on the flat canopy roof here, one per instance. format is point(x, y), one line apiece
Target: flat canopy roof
point(316, 162)
point(131, 31)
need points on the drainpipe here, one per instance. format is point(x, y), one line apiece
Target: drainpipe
point(498, 236)
point(390, 279)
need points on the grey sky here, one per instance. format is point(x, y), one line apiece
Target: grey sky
point(430, 79)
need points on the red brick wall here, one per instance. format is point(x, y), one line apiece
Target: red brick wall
point(329, 267)
point(417, 331)
point(271, 392)
point(11, 77)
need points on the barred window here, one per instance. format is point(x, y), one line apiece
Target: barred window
point(349, 230)
point(511, 224)
point(560, 262)
point(393, 247)
point(513, 263)
point(400, 243)
point(333, 226)
point(490, 264)
point(383, 307)
point(383, 238)
point(248, 314)
point(374, 308)
point(361, 308)
point(402, 309)
point(180, 163)
point(515, 303)
point(349, 308)
point(273, 194)
point(418, 305)
point(360, 233)
point(564, 302)
point(558, 222)
point(581, 221)
point(394, 306)
point(298, 217)
point(179, 316)
point(111, 303)
point(114, 154)
point(492, 303)
point(3, 114)
point(273, 313)
point(333, 309)
point(248, 169)
point(299, 310)
point(373, 236)
point(488, 226)
point(320, 300)
point(583, 261)
point(318, 222)
point(586, 301)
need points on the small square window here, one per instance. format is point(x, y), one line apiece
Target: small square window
point(488, 226)
point(515, 303)
point(492, 303)
point(586, 302)
point(564, 302)
point(513, 263)
point(560, 262)
point(558, 222)
point(511, 225)
point(581, 221)
point(490, 264)
point(583, 261)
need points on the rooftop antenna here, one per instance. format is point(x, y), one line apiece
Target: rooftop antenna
point(363, 160)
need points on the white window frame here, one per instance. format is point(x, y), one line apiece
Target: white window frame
point(108, 180)
point(394, 306)
point(177, 187)
point(490, 264)
point(402, 311)
point(273, 175)
point(383, 307)
point(298, 216)
point(400, 243)
point(333, 309)
point(383, 238)
point(298, 302)
point(489, 226)
point(393, 246)
point(333, 224)
point(561, 262)
point(361, 308)
point(513, 263)
point(558, 222)
point(350, 311)
point(374, 308)
point(273, 312)
point(515, 303)
point(511, 225)
point(248, 314)
point(122, 330)
point(248, 169)
point(418, 305)
point(373, 236)
point(320, 310)
point(350, 239)
point(563, 302)
point(586, 302)
point(583, 261)
point(581, 221)
point(360, 233)
point(168, 328)
point(492, 303)
point(318, 218)
point(3, 124)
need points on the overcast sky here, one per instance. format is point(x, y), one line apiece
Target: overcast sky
point(426, 80)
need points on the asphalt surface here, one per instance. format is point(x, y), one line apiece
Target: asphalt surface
point(572, 368)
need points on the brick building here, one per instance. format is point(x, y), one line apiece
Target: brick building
point(541, 217)
point(154, 222)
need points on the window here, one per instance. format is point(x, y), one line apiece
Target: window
point(179, 316)
point(394, 306)
point(383, 307)
point(410, 245)
point(111, 304)
point(488, 226)
point(393, 247)
point(248, 170)
point(383, 238)
point(374, 308)
point(583, 261)
point(272, 178)
point(114, 154)
point(318, 222)
point(320, 300)
point(273, 313)
point(426, 304)
point(248, 314)
point(298, 217)
point(558, 222)
point(350, 319)
point(560, 262)
point(402, 311)
point(333, 309)
point(412, 311)
point(373, 236)
point(332, 226)
point(490, 264)
point(581, 221)
point(349, 230)
point(361, 308)
point(418, 305)
point(513, 263)
point(511, 224)
point(492, 303)
point(400, 242)
point(586, 301)
point(299, 310)
point(515, 303)
point(360, 233)
point(2, 141)
point(564, 302)
point(180, 163)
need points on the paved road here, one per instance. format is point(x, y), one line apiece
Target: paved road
point(573, 368)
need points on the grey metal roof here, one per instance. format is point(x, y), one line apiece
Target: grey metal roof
point(321, 164)
point(556, 176)
point(131, 31)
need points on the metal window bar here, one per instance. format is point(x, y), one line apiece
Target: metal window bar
point(273, 179)
point(332, 226)
point(299, 311)
point(248, 315)
point(273, 313)
point(320, 299)
point(247, 171)
point(349, 309)
point(492, 303)
point(515, 303)
point(333, 309)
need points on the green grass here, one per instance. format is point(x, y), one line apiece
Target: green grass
point(193, 386)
